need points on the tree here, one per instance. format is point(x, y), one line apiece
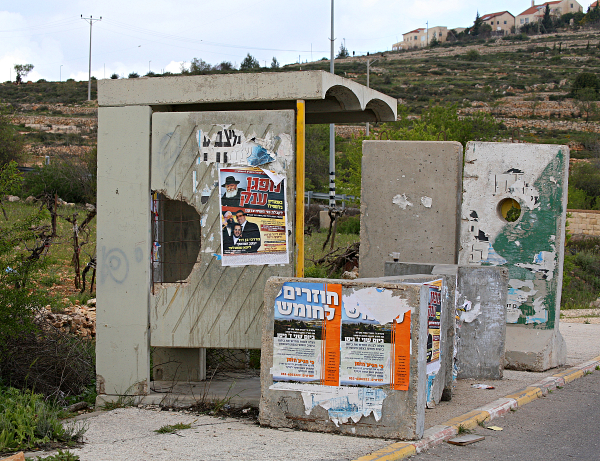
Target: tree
point(11, 142)
point(317, 157)
point(249, 63)
point(274, 63)
point(133, 75)
point(343, 53)
point(22, 70)
point(547, 21)
point(435, 122)
point(434, 42)
point(114, 76)
point(476, 28)
point(586, 102)
point(199, 66)
point(225, 65)
point(585, 80)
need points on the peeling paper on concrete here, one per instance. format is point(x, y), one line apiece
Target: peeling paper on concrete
point(469, 312)
point(233, 146)
point(276, 178)
point(525, 194)
point(426, 201)
point(342, 403)
point(401, 201)
point(540, 312)
point(383, 308)
point(544, 262)
point(519, 291)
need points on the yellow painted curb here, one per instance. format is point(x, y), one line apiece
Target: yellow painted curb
point(570, 375)
point(526, 395)
point(392, 452)
point(468, 420)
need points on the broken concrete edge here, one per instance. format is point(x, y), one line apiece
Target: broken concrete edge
point(442, 432)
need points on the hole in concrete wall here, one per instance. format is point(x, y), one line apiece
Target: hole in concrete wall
point(509, 210)
point(176, 235)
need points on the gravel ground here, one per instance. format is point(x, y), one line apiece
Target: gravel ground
point(127, 434)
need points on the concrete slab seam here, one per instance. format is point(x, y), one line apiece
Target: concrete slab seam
point(444, 431)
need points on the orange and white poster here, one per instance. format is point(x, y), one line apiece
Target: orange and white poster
point(306, 337)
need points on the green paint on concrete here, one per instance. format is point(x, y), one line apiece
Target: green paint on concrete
point(534, 231)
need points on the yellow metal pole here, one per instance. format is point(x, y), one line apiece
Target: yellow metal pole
point(300, 144)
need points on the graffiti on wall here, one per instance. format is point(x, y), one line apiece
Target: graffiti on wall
point(527, 245)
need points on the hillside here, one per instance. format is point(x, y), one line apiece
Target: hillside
point(522, 83)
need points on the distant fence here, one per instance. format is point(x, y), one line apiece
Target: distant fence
point(310, 195)
point(584, 222)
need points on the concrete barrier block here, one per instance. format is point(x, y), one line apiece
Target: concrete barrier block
point(410, 202)
point(345, 357)
point(439, 380)
point(324, 219)
point(481, 325)
point(534, 177)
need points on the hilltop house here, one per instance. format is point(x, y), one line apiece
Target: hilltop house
point(421, 37)
point(557, 8)
point(501, 22)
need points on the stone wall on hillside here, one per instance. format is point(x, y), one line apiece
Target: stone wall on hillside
point(67, 110)
point(47, 122)
point(584, 222)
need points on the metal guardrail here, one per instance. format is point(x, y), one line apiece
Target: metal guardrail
point(325, 196)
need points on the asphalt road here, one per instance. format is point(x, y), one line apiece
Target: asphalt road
point(563, 425)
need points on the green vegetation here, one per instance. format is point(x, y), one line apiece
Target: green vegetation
point(11, 145)
point(174, 428)
point(60, 456)
point(581, 273)
point(69, 92)
point(28, 421)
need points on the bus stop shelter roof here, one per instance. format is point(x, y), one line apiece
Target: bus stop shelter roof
point(329, 98)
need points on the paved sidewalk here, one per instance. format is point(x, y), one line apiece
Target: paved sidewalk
point(128, 433)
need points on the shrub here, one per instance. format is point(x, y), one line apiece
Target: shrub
point(349, 225)
point(472, 55)
point(27, 421)
point(316, 272)
point(73, 179)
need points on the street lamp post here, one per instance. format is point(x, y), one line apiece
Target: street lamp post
point(60, 73)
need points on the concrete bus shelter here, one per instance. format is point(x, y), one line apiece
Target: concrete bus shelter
point(163, 143)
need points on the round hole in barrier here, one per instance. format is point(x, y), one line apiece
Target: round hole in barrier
point(509, 210)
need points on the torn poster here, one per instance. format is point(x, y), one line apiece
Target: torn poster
point(229, 145)
point(323, 337)
point(342, 403)
point(253, 218)
point(434, 315)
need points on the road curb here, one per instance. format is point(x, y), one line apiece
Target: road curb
point(438, 434)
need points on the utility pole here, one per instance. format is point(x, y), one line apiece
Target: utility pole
point(368, 69)
point(91, 21)
point(332, 131)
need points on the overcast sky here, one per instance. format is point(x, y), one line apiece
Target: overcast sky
point(135, 35)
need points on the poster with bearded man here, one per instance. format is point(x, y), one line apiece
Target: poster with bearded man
point(253, 209)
